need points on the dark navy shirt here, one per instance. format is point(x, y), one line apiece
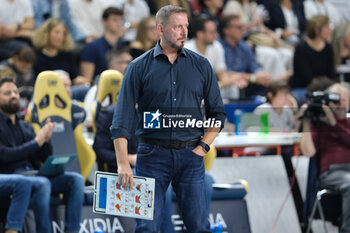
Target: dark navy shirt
point(95, 52)
point(175, 90)
point(21, 149)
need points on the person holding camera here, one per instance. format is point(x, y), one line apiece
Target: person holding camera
point(330, 140)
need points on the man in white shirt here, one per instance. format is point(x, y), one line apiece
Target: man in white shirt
point(16, 20)
point(204, 43)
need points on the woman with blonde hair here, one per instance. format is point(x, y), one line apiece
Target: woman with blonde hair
point(341, 43)
point(53, 43)
point(146, 37)
point(313, 57)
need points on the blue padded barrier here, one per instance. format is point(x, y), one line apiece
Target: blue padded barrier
point(244, 105)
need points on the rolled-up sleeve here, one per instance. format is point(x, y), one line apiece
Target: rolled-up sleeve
point(124, 113)
point(214, 107)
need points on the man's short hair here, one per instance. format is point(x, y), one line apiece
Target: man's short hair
point(163, 14)
point(225, 22)
point(275, 87)
point(116, 52)
point(26, 54)
point(198, 25)
point(6, 80)
point(112, 11)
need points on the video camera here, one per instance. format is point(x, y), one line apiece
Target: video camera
point(315, 100)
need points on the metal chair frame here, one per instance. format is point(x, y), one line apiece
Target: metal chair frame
point(318, 206)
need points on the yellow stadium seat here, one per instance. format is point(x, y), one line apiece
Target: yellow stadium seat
point(51, 100)
point(107, 91)
point(209, 158)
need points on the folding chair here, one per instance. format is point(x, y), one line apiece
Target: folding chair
point(334, 216)
point(320, 203)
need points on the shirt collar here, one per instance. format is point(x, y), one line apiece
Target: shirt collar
point(158, 51)
point(7, 119)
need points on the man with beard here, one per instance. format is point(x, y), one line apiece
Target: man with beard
point(21, 151)
point(167, 81)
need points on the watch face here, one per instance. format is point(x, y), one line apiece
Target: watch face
point(205, 146)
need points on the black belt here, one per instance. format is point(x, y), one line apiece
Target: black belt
point(170, 144)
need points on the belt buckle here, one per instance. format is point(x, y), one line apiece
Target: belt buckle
point(177, 144)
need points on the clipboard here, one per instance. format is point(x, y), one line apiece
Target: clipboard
point(110, 198)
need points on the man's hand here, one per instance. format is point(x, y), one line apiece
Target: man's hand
point(45, 132)
point(238, 80)
point(263, 78)
point(126, 177)
point(329, 118)
point(198, 151)
point(9, 31)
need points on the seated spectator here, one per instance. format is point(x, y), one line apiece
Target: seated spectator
point(16, 26)
point(79, 16)
point(271, 52)
point(93, 57)
point(240, 59)
point(247, 10)
point(287, 19)
point(21, 63)
point(321, 7)
point(103, 144)
point(204, 42)
point(313, 57)
point(329, 140)
point(54, 50)
point(21, 151)
point(146, 37)
point(211, 9)
point(341, 46)
point(85, 17)
point(18, 187)
point(280, 107)
point(117, 59)
point(134, 12)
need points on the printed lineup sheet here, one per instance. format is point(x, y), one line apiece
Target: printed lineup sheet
point(111, 198)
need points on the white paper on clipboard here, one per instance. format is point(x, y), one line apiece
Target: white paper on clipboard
point(111, 198)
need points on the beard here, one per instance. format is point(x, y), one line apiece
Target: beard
point(10, 108)
point(173, 44)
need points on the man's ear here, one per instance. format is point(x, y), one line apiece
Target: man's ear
point(269, 95)
point(160, 29)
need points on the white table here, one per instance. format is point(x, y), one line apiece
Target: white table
point(275, 140)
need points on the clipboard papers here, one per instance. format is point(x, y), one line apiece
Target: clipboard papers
point(111, 198)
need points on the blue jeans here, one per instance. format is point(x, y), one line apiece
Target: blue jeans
point(20, 189)
point(167, 225)
point(71, 184)
point(186, 172)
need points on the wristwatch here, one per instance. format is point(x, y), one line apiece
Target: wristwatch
point(205, 146)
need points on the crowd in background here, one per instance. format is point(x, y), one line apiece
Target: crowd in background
point(272, 48)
